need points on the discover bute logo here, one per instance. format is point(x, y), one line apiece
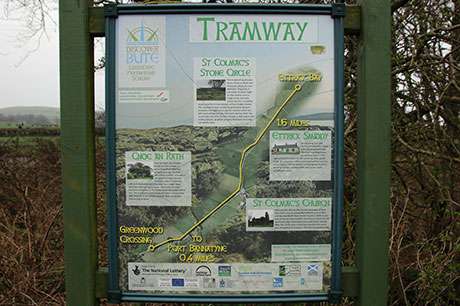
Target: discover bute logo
point(143, 45)
point(143, 35)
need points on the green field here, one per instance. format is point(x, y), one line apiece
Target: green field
point(210, 94)
point(26, 140)
point(4, 125)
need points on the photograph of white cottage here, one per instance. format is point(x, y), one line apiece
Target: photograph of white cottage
point(286, 149)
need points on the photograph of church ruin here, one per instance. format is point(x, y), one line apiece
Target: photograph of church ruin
point(263, 221)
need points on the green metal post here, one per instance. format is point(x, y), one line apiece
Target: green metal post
point(374, 151)
point(77, 143)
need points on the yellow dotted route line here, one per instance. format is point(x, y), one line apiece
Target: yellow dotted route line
point(297, 88)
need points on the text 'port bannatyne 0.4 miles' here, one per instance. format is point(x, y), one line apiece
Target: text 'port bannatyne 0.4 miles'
point(224, 152)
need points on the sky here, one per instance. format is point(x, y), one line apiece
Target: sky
point(29, 69)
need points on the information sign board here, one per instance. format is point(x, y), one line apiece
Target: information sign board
point(224, 129)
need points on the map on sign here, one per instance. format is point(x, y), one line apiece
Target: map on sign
point(224, 137)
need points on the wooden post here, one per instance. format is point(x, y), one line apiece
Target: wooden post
point(77, 144)
point(374, 151)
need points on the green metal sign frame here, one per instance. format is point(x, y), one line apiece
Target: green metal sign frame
point(335, 11)
point(86, 282)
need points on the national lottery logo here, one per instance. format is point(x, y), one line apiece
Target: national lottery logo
point(136, 270)
point(143, 45)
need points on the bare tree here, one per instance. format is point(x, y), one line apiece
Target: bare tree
point(216, 83)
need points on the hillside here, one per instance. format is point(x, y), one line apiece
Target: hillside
point(51, 113)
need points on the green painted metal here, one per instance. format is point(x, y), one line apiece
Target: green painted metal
point(335, 293)
point(374, 151)
point(77, 144)
point(114, 295)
